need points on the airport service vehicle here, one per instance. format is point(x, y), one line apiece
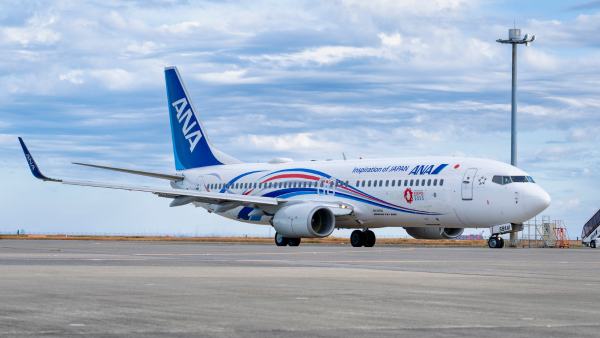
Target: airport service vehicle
point(591, 231)
point(431, 197)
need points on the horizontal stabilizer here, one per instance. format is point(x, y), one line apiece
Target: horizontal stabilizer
point(137, 172)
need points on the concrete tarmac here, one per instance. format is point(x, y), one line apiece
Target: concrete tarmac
point(157, 289)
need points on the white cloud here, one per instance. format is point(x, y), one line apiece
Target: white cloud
point(37, 31)
point(294, 142)
point(143, 48)
point(570, 204)
point(229, 77)
point(73, 76)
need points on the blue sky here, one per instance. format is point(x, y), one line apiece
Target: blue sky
point(83, 81)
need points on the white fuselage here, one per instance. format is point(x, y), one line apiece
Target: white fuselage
point(406, 192)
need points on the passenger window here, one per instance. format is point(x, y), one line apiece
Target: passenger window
point(322, 184)
point(393, 183)
point(347, 182)
point(406, 183)
point(363, 183)
point(254, 185)
point(237, 185)
point(441, 182)
point(497, 179)
point(506, 180)
point(387, 183)
point(369, 184)
point(411, 182)
point(417, 183)
point(423, 183)
point(381, 183)
point(259, 185)
point(357, 184)
point(429, 182)
point(434, 182)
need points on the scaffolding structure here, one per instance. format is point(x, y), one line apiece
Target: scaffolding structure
point(543, 233)
point(562, 235)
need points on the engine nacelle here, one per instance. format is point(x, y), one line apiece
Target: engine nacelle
point(434, 233)
point(304, 220)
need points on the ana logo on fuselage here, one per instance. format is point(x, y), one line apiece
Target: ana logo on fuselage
point(194, 137)
point(427, 169)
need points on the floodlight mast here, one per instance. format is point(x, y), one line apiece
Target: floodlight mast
point(514, 38)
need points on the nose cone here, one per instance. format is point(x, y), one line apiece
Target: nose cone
point(535, 199)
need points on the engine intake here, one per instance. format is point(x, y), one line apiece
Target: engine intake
point(434, 233)
point(304, 220)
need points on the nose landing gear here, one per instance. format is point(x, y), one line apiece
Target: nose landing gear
point(496, 242)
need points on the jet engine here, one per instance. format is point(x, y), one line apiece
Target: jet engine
point(304, 220)
point(434, 233)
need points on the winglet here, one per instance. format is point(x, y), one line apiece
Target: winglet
point(33, 166)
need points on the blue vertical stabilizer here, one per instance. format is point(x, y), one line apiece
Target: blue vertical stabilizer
point(191, 146)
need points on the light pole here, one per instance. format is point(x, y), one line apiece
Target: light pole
point(514, 38)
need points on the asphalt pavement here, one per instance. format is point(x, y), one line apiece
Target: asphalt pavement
point(157, 289)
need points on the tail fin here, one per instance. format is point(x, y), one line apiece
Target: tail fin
point(191, 145)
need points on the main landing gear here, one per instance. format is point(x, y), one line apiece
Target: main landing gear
point(360, 238)
point(283, 241)
point(496, 242)
point(593, 244)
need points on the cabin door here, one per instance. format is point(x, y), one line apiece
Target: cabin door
point(467, 184)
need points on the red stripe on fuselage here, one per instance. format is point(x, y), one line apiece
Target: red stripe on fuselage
point(292, 176)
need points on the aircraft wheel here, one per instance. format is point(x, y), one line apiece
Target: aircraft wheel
point(501, 243)
point(593, 244)
point(492, 242)
point(294, 241)
point(357, 238)
point(280, 240)
point(369, 238)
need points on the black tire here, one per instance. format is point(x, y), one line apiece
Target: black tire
point(593, 244)
point(501, 243)
point(369, 238)
point(294, 241)
point(357, 238)
point(493, 242)
point(280, 240)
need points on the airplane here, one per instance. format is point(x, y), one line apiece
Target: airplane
point(430, 197)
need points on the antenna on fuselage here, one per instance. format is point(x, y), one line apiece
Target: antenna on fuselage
point(344, 156)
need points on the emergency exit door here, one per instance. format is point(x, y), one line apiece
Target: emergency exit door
point(467, 184)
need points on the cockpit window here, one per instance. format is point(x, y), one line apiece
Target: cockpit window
point(520, 179)
point(497, 179)
point(506, 180)
point(530, 179)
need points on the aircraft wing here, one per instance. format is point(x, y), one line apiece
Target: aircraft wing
point(199, 196)
point(180, 196)
point(136, 172)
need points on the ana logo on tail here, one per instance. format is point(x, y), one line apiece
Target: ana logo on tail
point(194, 137)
